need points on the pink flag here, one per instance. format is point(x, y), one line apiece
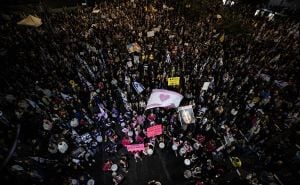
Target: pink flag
point(164, 98)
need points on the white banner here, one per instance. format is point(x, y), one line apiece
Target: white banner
point(164, 98)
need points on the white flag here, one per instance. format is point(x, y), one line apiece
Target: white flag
point(138, 87)
point(102, 113)
point(164, 98)
point(275, 59)
point(281, 84)
point(265, 77)
point(216, 35)
point(85, 82)
point(65, 96)
point(32, 103)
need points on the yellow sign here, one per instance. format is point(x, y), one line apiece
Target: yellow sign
point(173, 81)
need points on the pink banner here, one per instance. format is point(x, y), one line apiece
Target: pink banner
point(135, 147)
point(154, 131)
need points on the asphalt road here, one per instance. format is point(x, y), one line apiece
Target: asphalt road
point(162, 166)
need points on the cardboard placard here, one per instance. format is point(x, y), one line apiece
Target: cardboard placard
point(173, 81)
point(156, 29)
point(186, 114)
point(154, 130)
point(150, 34)
point(96, 11)
point(205, 86)
point(135, 147)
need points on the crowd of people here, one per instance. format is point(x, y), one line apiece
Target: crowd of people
point(69, 84)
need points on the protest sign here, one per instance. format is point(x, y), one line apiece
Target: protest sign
point(139, 88)
point(150, 34)
point(129, 64)
point(154, 130)
point(171, 36)
point(173, 81)
point(156, 29)
point(135, 147)
point(186, 114)
point(205, 86)
point(96, 11)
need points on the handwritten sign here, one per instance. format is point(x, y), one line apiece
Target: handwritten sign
point(154, 131)
point(173, 81)
point(205, 86)
point(135, 147)
point(150, 34)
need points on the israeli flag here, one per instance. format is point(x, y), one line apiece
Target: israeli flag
point(85, 82)
point(168, 59)
point(138, 87)
point(65, 96)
